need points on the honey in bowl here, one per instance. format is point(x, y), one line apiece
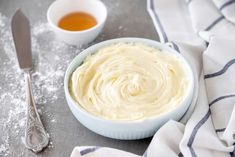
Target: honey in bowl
point(77, 21)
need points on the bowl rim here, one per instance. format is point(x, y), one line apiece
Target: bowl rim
point(186, 102)
point(99, 24)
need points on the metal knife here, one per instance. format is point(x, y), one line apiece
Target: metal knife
point(36, 137)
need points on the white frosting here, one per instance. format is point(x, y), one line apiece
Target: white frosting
point(129, 81)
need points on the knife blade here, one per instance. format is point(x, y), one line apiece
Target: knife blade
point(22, 39)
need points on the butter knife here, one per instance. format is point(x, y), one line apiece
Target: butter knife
point(36, 137)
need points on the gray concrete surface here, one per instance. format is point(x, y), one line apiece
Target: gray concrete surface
point(126, 18)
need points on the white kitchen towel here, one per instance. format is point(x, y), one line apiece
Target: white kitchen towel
point(208, 127)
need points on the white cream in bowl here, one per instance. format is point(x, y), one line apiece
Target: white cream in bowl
point(127, 96)
point(130, 81)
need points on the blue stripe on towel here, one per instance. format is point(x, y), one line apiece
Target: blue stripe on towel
point(226, 4)
point(214, 23)
point(220, 72)
point(88, 150)
point(194, 132)
point(220, 130)
point(220, 98)
point(201, 122)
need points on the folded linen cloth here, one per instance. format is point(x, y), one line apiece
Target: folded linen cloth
point(208, 127)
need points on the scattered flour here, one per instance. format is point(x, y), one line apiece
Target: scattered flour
point(51, 58)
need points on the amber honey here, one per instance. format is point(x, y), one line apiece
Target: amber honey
point(77, 21)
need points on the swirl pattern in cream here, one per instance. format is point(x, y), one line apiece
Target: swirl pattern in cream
point(129, 81)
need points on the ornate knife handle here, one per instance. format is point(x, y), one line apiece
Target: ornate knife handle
point(36, 137)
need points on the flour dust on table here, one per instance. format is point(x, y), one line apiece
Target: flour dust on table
point(50, 58)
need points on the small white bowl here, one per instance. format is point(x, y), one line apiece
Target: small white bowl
point(60, 8)
point(135, 129)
